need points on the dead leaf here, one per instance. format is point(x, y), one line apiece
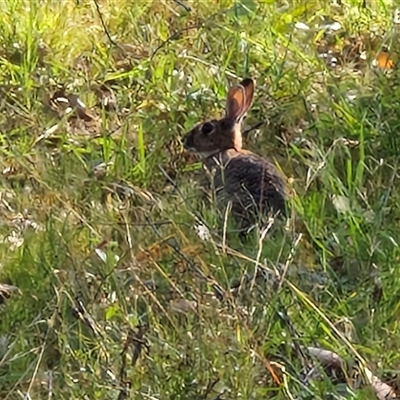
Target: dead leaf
point(383, 61)
point(106, 96)
point(341, 203)
point(6, 291)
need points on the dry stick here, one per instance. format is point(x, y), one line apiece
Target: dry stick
point(105, 27)
point(326, 357)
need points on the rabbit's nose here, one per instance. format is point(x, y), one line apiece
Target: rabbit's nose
point(187, 142)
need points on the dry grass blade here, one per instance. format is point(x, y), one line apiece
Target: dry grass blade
point(101, 214)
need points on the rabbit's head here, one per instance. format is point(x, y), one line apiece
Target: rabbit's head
point(214, 136)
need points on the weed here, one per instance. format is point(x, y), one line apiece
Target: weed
point(127, 287)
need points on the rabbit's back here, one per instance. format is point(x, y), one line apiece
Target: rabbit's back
point(251, 183)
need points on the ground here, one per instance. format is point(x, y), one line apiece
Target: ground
point(116, 280)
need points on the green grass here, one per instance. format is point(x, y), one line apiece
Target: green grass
point(85, 259)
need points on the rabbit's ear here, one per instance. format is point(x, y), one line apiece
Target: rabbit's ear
point(248, 86)
point(239, 99)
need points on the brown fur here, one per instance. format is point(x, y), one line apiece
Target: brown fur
point(250, 182)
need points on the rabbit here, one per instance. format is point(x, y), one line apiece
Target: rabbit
point(252, 183)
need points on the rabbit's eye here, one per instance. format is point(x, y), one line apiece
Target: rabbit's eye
point(207, 128)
